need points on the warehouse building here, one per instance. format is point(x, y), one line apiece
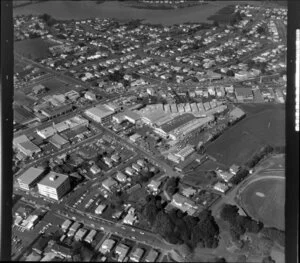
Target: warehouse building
point(100, 113)
point(54, 185)
point(30, 178)
point(58, 141)
point(244, 94)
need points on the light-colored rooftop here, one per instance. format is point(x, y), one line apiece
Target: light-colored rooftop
point(30, 175)
point(54, 180)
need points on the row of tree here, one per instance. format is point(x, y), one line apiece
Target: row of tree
point(179, 228)
point(239, 225)
point(259, 156)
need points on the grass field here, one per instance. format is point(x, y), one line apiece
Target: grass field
point(264, 200)
point(263, 125)
point(56, 86)
point(33, 48)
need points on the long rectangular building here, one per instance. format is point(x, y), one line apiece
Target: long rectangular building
point(29, 178)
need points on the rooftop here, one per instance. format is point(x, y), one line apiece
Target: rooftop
point(54, 180)
point(30, 175)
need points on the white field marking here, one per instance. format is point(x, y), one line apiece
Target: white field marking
point(260, 194)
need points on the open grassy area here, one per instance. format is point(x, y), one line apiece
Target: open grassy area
point(264, 200)
point(263, 125)
point(33, 48)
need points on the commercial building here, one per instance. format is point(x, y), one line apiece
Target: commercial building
point(54, 185)
point(185, 152)
point(58, 141)
point(47, 132)
point(189, 127)
point(100, 113)
point(244, 94)
point(24, 145)
point(30, 178)
point(56, 111)
point(236, 114)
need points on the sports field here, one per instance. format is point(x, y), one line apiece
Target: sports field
point(262, 126)
point(264, 200)
point(33, 48)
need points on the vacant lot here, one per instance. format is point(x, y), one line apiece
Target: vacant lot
point(33, 48)
point(264, 200)
point(263, 125)
point(56, 86)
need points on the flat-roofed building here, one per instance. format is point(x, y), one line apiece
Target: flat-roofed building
point(58, 141)
point(56, 111)
point(200, 106)
point(132, 116)
point(28, 148)
point(54, 185)
point(100, 113)
point(244, 94)
point(77, 122)
point(185, 152)
point(47, 132)
point(30, 178)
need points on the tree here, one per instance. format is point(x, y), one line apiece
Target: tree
point(229, 212)
point(171, 185)
point(163, 224)
point(268, 260)
point(230, 73)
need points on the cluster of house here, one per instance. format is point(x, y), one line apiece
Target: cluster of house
point(26, 27)
point(122, 252)
point(226, 176)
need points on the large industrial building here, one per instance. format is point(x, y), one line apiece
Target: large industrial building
point(100, 113)
point(30, 178)
point(54, 185)
point(24, 145)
